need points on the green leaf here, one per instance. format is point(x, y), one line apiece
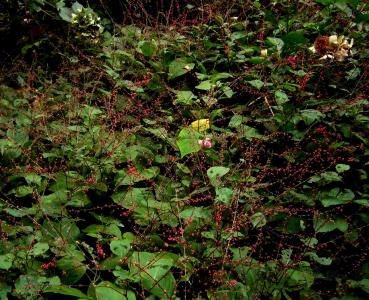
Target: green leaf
point(65, 290)
point(249, 132)
point(275, 43)
point(205, 85)
point(77, 7)
point(280, 97)
point(23, 190)
point(73, 267)
point(298, 278)
point(123, 178)
point(258, 84)
point(363, 202)
point(337, 197)
point(342, 5)
point(4, 290)
point(185, 98)
point(33, 179)
point(147, 48)
point(353, 73)
point(311, 115)
point(157, 277)
point(120, 247)
point(325, 2)
point(215, 173)
point(362, 18)
point(6, 261)
point(20, 136)
point(342, 168)
point(236, 121)
point(39, 249)
point(322, 225)
point(136, 197)
point(187, 141)
point(224, 195)
point(294, 40)
point(219, 76)
point(31, 285)
point(341, 224)
point(108, 291)
point(179, 67)
point(195, 213)
point(65, 13)
point(258, 220)
point(325, 261)
point(228, 92)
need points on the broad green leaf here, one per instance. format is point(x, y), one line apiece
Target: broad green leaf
point(65, 13)
point(65, 229)
point(294, 40)
point(337, 197)
point(341, 224)
point(353, 73)
point(215, 173)
point(6, 261)
point(137, 197)
point(258, 84)
point(363, 202)
point(298, 278)
point(343, 6)
point(322, 224)
point(179, 67)
point(66, 290)
point(4, 290)
point(249, 132)
point(31, 285)
point(147, 48)
point(123, 178)
point(108, 291)
point(157, 277)
point(280, 97)
point(362, 18)
point(325, 2)
point(219, 76)
point(224, 195)
point(342, 168)
point(258, 220)
point(23, 190)
point(325, 261)
point(20, 136)
point(97, 230)
point(120, 247)
point(185, 98)
point(187, 141)
point(77, 7)
point(195, 213)
point(236, 121)
point(33, 179)
point(39, 249)
point(275, 43)
point(311, 115)
point(205, 85)
point(228, 92)
point(73, 267)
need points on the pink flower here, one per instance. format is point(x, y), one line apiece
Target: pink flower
point(205, 143)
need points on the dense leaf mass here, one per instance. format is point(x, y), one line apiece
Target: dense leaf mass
point(172, 150)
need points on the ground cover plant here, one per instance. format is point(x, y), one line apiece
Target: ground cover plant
point(184, 151)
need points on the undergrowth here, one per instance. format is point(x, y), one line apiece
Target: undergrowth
point(214, 151)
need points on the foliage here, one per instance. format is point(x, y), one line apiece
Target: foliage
point(220, 159)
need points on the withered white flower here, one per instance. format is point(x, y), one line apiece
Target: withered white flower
point(333, 47)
